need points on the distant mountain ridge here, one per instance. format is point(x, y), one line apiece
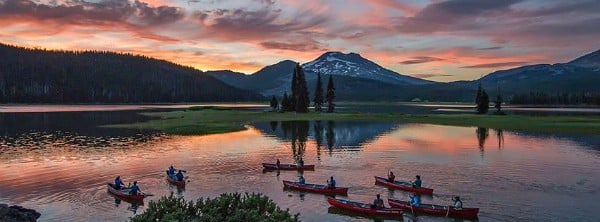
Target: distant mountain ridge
point(41, 76)
point(591, 60)
point(357, 78)
point(350, 70)
point(579, 75)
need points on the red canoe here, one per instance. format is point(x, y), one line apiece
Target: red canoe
point(364, 208)
point(315, 188)
point(436, 210)
point(273, 166)
point(124, 193)
point(402, 185)
point(173, 181)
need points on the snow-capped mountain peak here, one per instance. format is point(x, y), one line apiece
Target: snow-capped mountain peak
point(354, 65)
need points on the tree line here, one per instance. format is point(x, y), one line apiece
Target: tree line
point(544, 98)
point(43, 76)
point(299, 101)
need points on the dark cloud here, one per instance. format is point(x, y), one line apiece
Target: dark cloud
point(467, 7)
point(451, 15)
point(564, 7)
point(491, 48)
point(496, 65)
point(90, 13)
point(157, 15)
point(420, 59)
point(306, 46)
point(429, 75)
point(262, 23)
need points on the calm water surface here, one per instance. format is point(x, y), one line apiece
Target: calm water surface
point(59, 164)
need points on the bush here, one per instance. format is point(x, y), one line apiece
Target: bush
point(227, 207)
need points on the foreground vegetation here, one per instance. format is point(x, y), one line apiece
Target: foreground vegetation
point(227, 207)
point(198, 121)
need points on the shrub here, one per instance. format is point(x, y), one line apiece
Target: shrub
point(227, 207)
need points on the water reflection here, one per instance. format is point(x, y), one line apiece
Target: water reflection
point(336, 136)
point(500, 137)
point(132, 205)
point(75, 133)
point(482, 135)
point(544, 172)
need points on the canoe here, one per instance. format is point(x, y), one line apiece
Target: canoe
point(273, 166)
point(124, 193)
point(364, 208)
point(316, 188)
point(402, 185)
point(435, 210)
point(173, 181)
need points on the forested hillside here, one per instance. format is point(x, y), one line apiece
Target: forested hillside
point(41, 76)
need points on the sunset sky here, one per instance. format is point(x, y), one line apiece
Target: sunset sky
point(436, 40)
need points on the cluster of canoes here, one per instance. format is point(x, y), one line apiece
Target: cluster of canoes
point(398, 207)
point(125, 192)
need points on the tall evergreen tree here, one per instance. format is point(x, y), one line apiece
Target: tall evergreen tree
point(318, 100)
point(498, 103)
point(330, 95)
point(302, 100)
point(478, 96)
point(274, 103)
point(285, 103)
point(482, 100)
point(294, 88)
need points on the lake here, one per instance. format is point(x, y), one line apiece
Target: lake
point(59, 162)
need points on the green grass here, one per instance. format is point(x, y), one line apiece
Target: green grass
point(210, 121)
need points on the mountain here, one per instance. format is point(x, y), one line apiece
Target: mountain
point(42, 76)
point(236, 79)
point(591, 60)
point(363, 79)
point(579, 75)
point(274, 77)
point(354, 65)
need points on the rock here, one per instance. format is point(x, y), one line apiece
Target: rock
point(17, 214)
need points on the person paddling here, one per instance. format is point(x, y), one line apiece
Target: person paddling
point(417, 182)
point(457, 203)
point(134, 189)
point(378, 203)
point(301, 180)
point(171, 170)
point(300, 162)
point(118, 183)
point(331, 183)
point(415, 199)
point(179, 176)
point(391, 177)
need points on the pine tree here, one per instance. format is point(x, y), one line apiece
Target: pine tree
point(318, 100)
point(482, 100)
point(285, 103)
point(274, 103)
point(478, 97)
point(498, 103)
point(294, 87)
point(330, 95)
point(302, 100)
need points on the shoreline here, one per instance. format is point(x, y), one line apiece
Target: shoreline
point(210, 121)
